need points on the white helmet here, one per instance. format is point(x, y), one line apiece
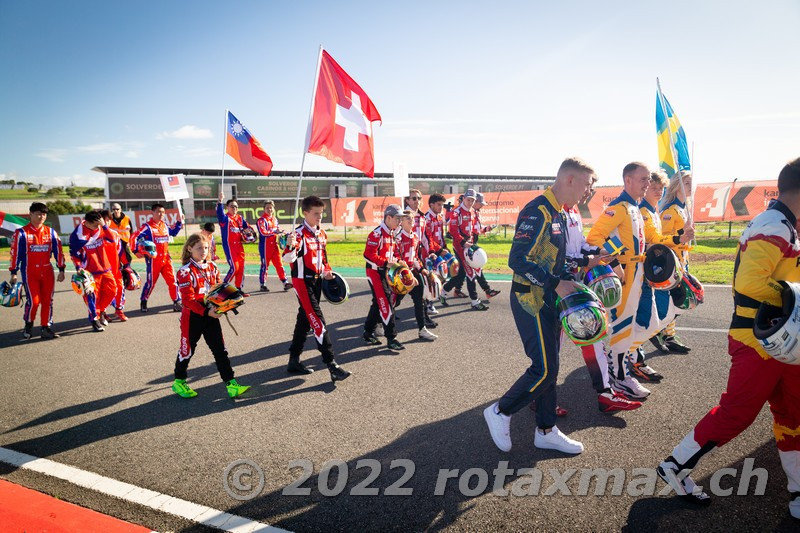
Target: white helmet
point(475, 256)
point(778, 328)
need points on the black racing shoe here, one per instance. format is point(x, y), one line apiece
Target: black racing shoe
point(296, 367)
point(681, 483)
point(430, 323)
point(491, 293)
point(370, 338)
point(28, 331)
point(459, 294)
point(643, 372)
point(287, 285)
point(443, 301)
point(395, 345)
point(675, 345)
point(177, 306)
point(658, 341)
point(480, 307)
point(97, 326)
point(48, 333)
point(143, 306)
point(264, 288)
point(338, 373)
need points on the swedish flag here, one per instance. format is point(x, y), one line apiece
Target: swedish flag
point(614, 246)
point(664, 124)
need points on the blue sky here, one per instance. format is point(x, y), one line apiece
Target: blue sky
point(462, 87)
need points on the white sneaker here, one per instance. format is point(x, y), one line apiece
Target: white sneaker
point(630, 387)
point(379, 331)
point(794, 507)
point(432, 310)
point(427, 335)
point(499, 427)
point(555, 440)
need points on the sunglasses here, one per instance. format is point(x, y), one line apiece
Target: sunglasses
point(415, 197)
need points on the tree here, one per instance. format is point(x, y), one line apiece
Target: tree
point(65, 207)
point(33, 189)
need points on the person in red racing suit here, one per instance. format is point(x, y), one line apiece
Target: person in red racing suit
point(231, 224)
point(306, 253)
point(31, 248)
point(157, 231)
point(461, 231)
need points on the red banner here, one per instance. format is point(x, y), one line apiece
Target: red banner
point(713, 202)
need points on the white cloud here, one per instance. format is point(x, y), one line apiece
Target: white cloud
point(110, 148)
point(55, 155)
point(186, 132)
point(132, 154)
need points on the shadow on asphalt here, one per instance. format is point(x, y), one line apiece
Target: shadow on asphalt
point(731, 513)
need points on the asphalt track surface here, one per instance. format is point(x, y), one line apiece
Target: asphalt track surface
point(101, 402)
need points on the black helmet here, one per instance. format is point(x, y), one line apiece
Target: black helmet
point(661, 268)
point(335, 290)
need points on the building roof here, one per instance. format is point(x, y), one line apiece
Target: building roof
point(212, 172)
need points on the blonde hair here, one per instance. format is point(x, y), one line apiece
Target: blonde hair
point(575, 164)
point(186, 253)
point(673, 188)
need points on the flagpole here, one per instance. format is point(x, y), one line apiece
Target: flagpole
point(308, 136)
point(224, 149)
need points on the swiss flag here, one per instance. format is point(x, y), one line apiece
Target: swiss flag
point(341, 126)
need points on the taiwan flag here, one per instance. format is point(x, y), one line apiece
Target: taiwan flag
point(245, 149)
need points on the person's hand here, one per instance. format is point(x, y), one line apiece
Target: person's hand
point(566, 287)
point(13, 279)
point(424, 272)
point(416, 282)
point(620, 273)
point(401, 263)
point(291, 241)
point(595, 260)
point(688, 235)
point(213, 314)
point(183, 218)
point(60, 277)
point(328, 274)
point(220, 197)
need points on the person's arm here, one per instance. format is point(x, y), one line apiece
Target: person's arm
point(372, 248)
point(293, 248)
point(327, 271)
point(532, 229)
point(261, 226)
point(222, 218)
point(58, 251)
point(16, 243)
point(605, 224)
point(758, 259)
point(107, 233)
point(651, 233)
point(175, 229)
point(190, 299)
point(76, 251)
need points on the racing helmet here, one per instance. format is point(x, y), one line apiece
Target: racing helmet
point(283, 240)
point(431, 287)
point(10, 295)
point(602, 281)
point(778, 328)
point(440, 267)
point(452, 264)
point(475, 256)
point(688, 294)
point(130, 278)
point(582, 316)
point(400, 279)
point(249, 234)
point(335, 290)
point(82, 283)
point(224, 297)
point(661, 268)
point(145, 247)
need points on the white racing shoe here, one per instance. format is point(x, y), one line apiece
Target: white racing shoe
point(499, 427)
point(432, 309)
point(630, 387)
point(555, 440)
point(427, 335)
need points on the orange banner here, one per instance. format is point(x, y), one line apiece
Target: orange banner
point(713, 202)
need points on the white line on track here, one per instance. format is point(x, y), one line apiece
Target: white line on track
point(131, 493)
